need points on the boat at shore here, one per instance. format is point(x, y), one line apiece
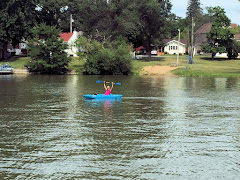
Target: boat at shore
point(6, 69)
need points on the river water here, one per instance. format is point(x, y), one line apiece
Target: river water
point(163, 128)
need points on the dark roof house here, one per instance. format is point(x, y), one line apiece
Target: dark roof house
point(200, 36)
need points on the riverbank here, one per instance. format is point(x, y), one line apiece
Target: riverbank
point(160, 65)
point(20, 71)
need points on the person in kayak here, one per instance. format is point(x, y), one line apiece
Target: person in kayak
point(107, 88)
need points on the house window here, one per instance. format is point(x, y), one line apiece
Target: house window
point(173, 47)
point(176, 47)
point(169, 47)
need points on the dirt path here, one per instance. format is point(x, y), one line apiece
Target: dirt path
point(158, 70)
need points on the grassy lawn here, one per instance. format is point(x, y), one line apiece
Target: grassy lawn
point(219, 67)
point(16, 62)
point(19, 63)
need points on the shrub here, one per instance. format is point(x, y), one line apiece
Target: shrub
point(110, 59)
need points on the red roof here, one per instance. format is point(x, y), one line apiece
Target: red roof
point(65, 36)
point(139, 48)
point(233, 25)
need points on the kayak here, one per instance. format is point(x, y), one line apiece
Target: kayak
point(102, 96)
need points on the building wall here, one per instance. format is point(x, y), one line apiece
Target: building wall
point(199, 40)
point(172, 48)
point(72, 49)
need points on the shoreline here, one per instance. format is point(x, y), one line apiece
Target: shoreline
point(20, 71)
point(147, 70)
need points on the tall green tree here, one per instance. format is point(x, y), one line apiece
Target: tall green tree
point(141, 21)
point(16, 20)
point(194, 12)
point(152, 22)
point(194, 9)
point(124, 16)
point(220, 36)
point(57, 13)
point(47, 51)
point(93, 16)
point(111, 18)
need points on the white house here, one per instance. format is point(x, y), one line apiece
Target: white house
point(19, 49)
point(70, 39)
point(171, 46)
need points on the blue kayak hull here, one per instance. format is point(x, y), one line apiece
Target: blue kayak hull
point(102, 96)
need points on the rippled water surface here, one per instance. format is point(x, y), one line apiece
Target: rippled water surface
point(162, 128)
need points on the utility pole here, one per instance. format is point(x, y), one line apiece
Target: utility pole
point(71, 23)
point(192, 40)
point(178, 45)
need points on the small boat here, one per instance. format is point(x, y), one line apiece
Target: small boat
point(6, 69)
point(102, 96)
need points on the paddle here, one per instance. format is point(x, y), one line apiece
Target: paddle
point(108, 82)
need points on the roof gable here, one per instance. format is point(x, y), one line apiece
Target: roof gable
point(65, 36)
point(205, 28)
point(182, 41)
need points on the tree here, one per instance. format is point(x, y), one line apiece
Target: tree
point(112, 18)
point(175, 23)
point(47, 51)
point(57, 13)
point(152, 22)
point(194, 10)
point(220, 34)
point(92, 16)
point(233, 49)
point(16, 20)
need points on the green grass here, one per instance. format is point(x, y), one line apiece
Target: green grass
point(19, 62)
point(220, 67)
point(77, 65)
point(16, 62)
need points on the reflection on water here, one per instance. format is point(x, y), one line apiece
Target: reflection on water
point(106, 103)
point(162, 128)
